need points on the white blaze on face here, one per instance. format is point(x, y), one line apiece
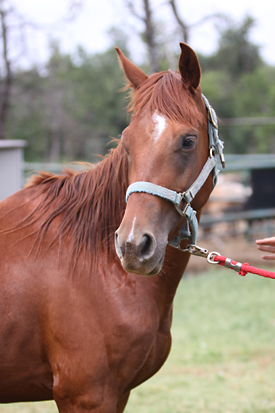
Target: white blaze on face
point(160, 123)
point(131, 235)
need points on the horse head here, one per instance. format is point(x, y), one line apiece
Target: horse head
point(167, 147)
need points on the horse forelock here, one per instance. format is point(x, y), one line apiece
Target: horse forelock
point(89, 204)
point(166, 93)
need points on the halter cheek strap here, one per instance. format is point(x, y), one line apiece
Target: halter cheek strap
point(176, 198)
point(215, 145)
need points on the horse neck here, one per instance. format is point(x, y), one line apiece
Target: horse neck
point(173, 269)
point(83, 208)
point(111, 182)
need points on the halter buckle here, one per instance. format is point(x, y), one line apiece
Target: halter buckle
point(179, 210)
point(182, 212)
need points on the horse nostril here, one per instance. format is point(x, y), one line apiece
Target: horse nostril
point(147, 246)
point(135, 249)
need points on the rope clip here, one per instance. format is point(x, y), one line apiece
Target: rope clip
point(215, 258)
point(202, 252)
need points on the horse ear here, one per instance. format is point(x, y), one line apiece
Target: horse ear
point(135, 75)
point(189, 67)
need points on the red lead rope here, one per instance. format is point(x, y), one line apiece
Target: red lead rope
point(242, 269)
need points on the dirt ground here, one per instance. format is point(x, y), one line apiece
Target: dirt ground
point(230, 244)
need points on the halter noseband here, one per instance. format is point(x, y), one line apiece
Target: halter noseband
point(215, 146)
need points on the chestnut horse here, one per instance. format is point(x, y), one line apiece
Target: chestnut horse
point(79, 324)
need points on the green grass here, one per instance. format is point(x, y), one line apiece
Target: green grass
point(223, 352)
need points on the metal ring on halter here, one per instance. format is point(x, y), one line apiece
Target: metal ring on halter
point(179, 210)
point(211, 256)
point(182, 212)
point(211, 152)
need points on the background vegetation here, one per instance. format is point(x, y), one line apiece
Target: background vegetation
point(69, 108)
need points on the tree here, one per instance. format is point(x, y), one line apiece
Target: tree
point(187, 27)
point(6, 75)
point(236, 54)
point(12, 47)
point(149, 33)
point(70, 112)
point(239, 84)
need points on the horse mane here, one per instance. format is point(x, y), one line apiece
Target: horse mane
point(89, 203)
point(166, 93)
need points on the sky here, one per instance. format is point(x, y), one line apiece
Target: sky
point(92, 18)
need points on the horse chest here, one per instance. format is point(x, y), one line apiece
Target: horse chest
point(140, 340)
point(156, 357)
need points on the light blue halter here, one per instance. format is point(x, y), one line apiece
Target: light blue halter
point(215, 146)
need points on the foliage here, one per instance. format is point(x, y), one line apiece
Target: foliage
point(236, 54)
point(251, 95)
point(239, 85)
point(69, 110)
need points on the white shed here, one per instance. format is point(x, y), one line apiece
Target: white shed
point(11, 166)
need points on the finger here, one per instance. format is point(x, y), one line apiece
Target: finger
point(268, 257)
point(266, 241)
point(266, 248)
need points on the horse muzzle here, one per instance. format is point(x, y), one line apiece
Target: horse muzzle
point(139, 251)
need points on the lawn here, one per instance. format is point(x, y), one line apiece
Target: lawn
point(223, 352)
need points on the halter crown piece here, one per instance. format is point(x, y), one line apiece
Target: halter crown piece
point(215, 147)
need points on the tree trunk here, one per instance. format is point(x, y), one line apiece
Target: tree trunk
point(7, 79)
point(184, 28)
point(150, 37)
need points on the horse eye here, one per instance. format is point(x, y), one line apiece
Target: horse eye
point(188, 142)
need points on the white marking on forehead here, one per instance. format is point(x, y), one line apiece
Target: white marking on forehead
point(160, 123)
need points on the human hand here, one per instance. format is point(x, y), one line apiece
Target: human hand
point(267, 245)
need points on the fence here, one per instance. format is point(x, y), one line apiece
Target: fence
point(255, 211)
point(257, 207)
